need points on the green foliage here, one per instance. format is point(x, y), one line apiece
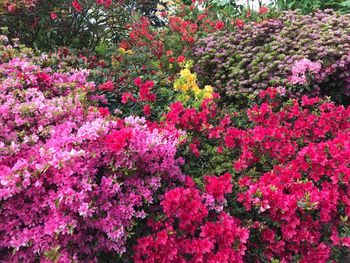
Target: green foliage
point(308, 6)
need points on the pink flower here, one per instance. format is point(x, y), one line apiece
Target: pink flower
point(107, 86)
point(147, 110)
point(53, 16)
point(77, 6)
point(218, 186)
point(137, 81)
point(263, 10)
point(219, 25)
point(104, 111)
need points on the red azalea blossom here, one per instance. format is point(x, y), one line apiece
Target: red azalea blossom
point(239, 23)
point(117, 140)
point(104, 111)
point(263, 10)
point(43, 77)
point(194, 149)
point(169, 52)
point(137, 81)
point(77, 6)
point(53, 16)
point(219, 25)
point(248, 14)
point(218, 186)
point(108, 86)
point(126, 97)
point(181, 59)
point(124, 44)
point(147, 110)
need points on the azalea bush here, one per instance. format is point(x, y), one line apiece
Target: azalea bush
point(195, 227)
point(290, 167)
point(203, 134)
point(264, 54)
point(73, 183)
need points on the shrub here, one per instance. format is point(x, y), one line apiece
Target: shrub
point(74, 24)
point(293, 183)
point(72, 183)
point(263, 54)
point(290, 163)
point(194, 228)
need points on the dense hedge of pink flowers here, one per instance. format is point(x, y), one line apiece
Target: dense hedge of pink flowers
point(291, 190)
point(204, 234)
point(72, 183)
point(295, 165)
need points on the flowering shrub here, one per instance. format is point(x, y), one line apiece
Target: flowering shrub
point(91, 142)
point(290, 166)
point(72, 183)
point(72, 23)
point(294, 167)
point(263, 54)
point(202, 233)
point(187, 84)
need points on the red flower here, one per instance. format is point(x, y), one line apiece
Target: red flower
point(218, 186)
point(124, 44)
point(239, 22)
point(181, 59)
point(172, 60)
point(147, 110)
point(76, 6)
point(53, 16)
point(43, 77)
point(108, 86)
point(263, 10)
point(248, 14)
point(145, 90)
point(137, 81)
point(169, 52)
point(219, 25)
point(117, 140)
point(194, 149)
point(126, 97)
point(104, 111)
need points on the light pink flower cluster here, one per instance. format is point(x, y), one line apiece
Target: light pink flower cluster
point(64, 194)
point(300, 70)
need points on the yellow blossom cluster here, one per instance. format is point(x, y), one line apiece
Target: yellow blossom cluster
point(123, 51)
point(187, 83)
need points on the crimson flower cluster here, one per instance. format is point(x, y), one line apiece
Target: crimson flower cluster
point(193, 230)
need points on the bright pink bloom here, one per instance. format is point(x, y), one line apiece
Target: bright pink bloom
point(219, 25)
point(218, 186)
point(53, 16)
point(77, 6)
point(147, 110)
point(263, 10)
point(104, 111)
point(107, 86)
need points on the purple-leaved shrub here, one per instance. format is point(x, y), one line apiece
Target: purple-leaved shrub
point(263, 54)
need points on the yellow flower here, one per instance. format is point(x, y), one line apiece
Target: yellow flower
point(191, 78)
point(130, 52)
point(208, 89)
point(122, 50)
point(196, 89)
point(184, 73)
point(208, 92)
point(184, 87)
